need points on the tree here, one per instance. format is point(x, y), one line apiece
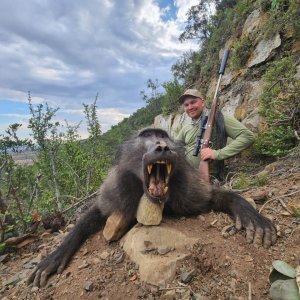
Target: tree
point(48, 139)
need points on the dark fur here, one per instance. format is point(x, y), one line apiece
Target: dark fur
point(125, 184)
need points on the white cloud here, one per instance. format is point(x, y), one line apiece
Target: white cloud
point(65, 52)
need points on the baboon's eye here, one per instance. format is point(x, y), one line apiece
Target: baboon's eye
point(146, 133)
point(161, 135)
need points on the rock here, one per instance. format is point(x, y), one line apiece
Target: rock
point(201, 217)
point(12, 280)
point(115, 227)
point(69, 227)
point(198, 296)
point(34, 289)
point(288, 231)
point(104, 255)
point(228, 230)
point(186, 277)
point(260, 196)
point(170, 295)
point(164, 250)
point(88, 286)
point(264, 49)
point(252, 22)
point(251, 201)
point(29, 265)
point(148, 212)
point(157, 270)
point(4, 258)
point(33, 263)
point(83, 265)
point(172, 123)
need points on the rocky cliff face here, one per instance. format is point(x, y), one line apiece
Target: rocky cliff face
point(240, 89)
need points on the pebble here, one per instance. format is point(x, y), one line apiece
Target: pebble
point(186, 277)
point(88, 286)
point(83, 265)
point(104, 255)
point(288, 231)
point(163, 251)
point(34, 289)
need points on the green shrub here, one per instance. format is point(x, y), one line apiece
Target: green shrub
point(279, 105)
point(241, 52)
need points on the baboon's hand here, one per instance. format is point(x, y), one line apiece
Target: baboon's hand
point(259, 230)
point(55, 262)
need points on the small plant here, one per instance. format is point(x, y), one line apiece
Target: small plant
point(260, 180)
point(283, 282)
point(241, 52)
point(243, 181)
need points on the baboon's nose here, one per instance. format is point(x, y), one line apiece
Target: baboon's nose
point(161, 147)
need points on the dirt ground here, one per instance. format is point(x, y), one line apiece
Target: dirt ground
point(219, 267)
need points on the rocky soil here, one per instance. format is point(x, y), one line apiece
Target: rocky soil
point(217, 265)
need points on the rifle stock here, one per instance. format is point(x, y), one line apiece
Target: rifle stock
point(205, 142)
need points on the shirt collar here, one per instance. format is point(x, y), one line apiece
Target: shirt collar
point(195, 122)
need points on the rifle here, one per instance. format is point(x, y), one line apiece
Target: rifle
point(207, 124)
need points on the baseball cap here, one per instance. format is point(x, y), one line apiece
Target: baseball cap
point(190, 92)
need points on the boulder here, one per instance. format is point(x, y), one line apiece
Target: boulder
point(154, 268)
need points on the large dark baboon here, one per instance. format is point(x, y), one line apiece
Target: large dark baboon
point(153, 164)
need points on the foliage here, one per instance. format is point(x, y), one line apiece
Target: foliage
point(243, 180)
point(198, 18)
point(242, 49)
point(65, 168)
point(283, 18)
point(173, 90)
point(283, 282)
point(153, 86)
point(280, 106)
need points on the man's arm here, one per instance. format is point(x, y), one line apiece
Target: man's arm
point(241, 136)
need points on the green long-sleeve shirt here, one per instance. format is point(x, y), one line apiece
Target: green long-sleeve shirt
point(241, 137)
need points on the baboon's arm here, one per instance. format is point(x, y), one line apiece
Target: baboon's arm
point(90, 223)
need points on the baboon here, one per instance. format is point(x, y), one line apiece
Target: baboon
point(151, 163)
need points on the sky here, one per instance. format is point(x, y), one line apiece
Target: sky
point(66, 52)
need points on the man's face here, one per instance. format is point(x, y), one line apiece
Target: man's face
point(193, 106)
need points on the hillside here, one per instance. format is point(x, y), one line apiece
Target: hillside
point(261, 88)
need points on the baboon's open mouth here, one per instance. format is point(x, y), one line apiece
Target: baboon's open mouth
point(157, 176)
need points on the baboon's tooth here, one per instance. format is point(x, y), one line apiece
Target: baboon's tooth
point(166, 189)
point(169, 168)
point(149, 167)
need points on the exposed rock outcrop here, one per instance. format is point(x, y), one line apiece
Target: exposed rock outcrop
point(240, 90)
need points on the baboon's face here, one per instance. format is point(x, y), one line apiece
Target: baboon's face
point(159, 162)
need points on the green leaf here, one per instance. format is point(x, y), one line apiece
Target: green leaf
point(284, 268)
point(275, 275)
point(284, 290)
point(2, 248)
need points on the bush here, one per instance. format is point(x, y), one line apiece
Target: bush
point(241, 52)
point(279, 105)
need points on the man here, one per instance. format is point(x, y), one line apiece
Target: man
point(225, 126)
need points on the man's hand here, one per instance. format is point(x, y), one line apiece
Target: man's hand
point(207, 154)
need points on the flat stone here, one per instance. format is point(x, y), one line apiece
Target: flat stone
point(115, 227)
point(157, 270)
point(264, 49)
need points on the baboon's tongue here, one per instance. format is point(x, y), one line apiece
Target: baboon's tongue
point(156, 187)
